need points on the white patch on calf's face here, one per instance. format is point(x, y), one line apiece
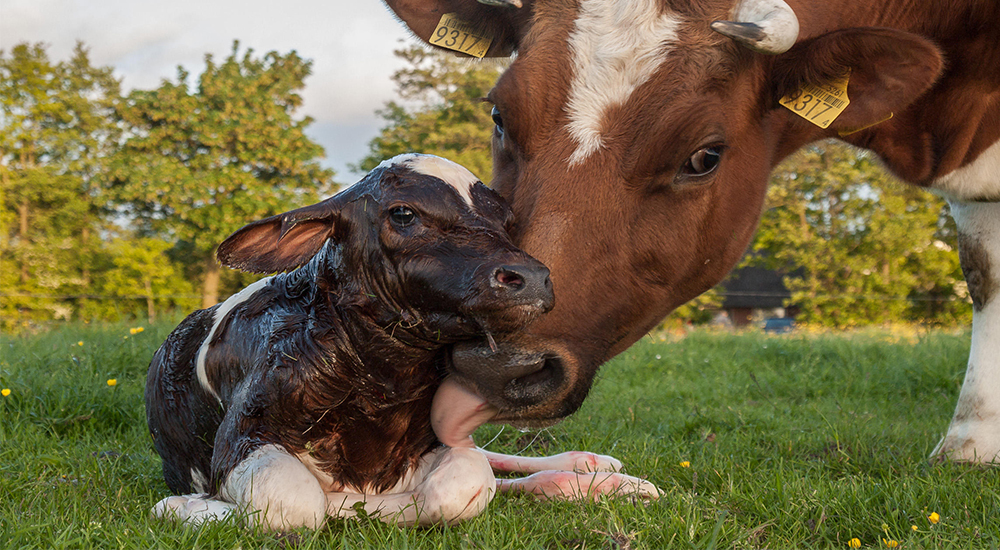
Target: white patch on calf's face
point(616, 47)
point(220, 314)
point(452, 173)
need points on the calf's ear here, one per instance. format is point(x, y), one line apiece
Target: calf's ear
point(504, 22)
point(888, 69)
point(282, 242)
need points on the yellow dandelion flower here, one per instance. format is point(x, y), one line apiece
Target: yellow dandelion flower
point(80, 343)
point(890, 543)
point(5, 392)
point(112, 382)
point(131, 331)
point(685, 464)
point(139, 329)
point(934, 517)
point(854, 543)
point(914, 527)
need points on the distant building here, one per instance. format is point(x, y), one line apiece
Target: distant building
point(754, 294)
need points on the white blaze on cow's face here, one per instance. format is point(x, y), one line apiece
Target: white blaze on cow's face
point(616, 47)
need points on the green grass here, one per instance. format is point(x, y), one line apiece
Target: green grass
point(793, 442)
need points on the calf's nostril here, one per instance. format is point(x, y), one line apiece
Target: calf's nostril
point(509, 279)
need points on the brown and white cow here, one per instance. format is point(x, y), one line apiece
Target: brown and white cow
point(634, 140)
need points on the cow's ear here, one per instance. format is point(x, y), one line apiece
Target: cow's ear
point(888, 70)
point(503, 21)
point(282, 242)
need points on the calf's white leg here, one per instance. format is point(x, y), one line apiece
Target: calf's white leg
point(449, 485)
point(974, 433)
point(572, 461)
point(573, 475)
point(271, 486)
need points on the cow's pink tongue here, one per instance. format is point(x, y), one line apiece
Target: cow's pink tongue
point(456, 412)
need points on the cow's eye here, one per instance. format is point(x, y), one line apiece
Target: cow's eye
point(402, 216)
point(704, 161)
point(497, 119)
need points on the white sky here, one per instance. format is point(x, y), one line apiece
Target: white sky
point(350, 43)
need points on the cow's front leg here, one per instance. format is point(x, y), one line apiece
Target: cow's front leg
point(974, 433)
point(448, 485)
point(572, 475)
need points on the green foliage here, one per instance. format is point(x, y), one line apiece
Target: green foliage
point(203, 160)
point(791, 442)
point(444, 113)
point(56, 131)
point(57, 115)
point(141, 282)
point(862, 248)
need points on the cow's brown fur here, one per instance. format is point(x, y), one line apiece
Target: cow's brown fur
point(627, 240)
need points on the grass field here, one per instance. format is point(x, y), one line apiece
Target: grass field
point(756, 441)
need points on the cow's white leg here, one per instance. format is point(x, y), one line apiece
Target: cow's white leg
point(572, 461)
point(449, 485)
point(974, 434)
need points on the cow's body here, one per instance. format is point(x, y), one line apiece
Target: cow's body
point(635, 140)
point(316, 390)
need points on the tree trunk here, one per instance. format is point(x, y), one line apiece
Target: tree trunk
point(85, 247)
point(22, 211)
point(150, 310)
point(210, 286)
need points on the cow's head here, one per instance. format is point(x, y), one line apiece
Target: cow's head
point(634, 140)
point(420, 244)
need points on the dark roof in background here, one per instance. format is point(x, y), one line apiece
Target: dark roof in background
point(754, 287)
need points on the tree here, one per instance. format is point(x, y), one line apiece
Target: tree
point(869, 249)
point(203, 160)
point(445, 114)
point(56, 131)
point(141, 280)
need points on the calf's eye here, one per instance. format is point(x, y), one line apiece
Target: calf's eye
point(497, 119)
point(704, 161)
point(402, 216)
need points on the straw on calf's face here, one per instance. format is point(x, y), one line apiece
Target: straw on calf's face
point(313, 390)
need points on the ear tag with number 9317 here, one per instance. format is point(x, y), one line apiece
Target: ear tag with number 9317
point(454, 34)
point(820, 104)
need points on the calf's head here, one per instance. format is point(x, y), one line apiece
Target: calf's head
point(634, 140)
point(419, 241)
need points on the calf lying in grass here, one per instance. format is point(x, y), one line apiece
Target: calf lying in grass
point(323, 390)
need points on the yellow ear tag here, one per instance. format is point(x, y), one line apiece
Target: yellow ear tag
point(820, 104)
point(455, 34)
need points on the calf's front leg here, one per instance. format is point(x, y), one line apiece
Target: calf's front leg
point(447, 486)
point(271, 486)
point(573, 475)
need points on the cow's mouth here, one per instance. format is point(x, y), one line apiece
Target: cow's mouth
point(525, 387)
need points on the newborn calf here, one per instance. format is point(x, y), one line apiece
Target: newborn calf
point(310, 393)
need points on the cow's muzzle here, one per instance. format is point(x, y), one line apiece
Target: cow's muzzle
point(527, 386)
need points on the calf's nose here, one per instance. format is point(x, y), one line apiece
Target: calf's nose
point(526, 283)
